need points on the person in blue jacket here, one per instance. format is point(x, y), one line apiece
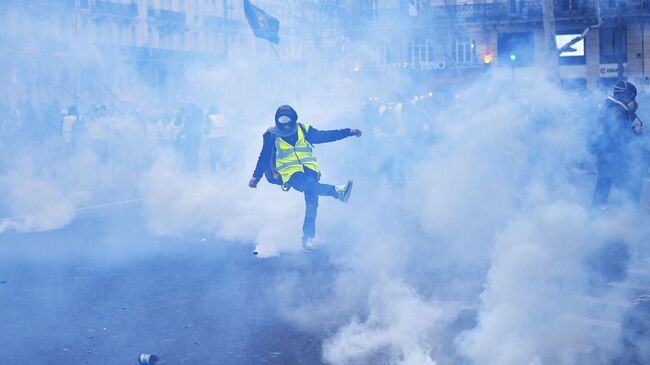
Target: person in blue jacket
point(287, 155)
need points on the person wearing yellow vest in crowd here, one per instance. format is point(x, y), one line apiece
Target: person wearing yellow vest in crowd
point(69, 122)
point(216, 131)
point(288, 150)
point(70, 130)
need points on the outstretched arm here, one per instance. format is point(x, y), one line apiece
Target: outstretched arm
point(263, 160)
point(315, 136)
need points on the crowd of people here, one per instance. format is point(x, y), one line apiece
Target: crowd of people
point(103, 128)
point(617, 142)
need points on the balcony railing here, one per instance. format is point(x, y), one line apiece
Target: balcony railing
point(38, 5)
point(532, 10)
point(505, 12)
point(61, 4)
point(217, 23)
point(624, 8)
point(485, 12)
point(574, 8)
point(115, 9)
point(167, 17)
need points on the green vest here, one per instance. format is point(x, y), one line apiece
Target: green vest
point(291, 159)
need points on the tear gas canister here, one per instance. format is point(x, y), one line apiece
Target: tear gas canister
point(147, 359)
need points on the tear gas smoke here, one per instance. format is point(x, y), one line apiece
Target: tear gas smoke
point(468, 239)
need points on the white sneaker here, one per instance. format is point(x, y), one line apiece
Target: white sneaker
point(308, 243)
point(343, 191)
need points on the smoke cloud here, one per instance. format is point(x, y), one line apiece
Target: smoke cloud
point(469, 237)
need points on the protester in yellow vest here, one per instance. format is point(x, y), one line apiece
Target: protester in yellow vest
point(216, 131)
point(69, 122)
point(288, 150)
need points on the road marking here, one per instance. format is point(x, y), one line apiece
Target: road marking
point(618, 284)
point(592, 322)
point(595, 300)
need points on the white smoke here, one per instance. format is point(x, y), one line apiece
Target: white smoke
point(491, 217)
point(500, 190)
point(401, 330)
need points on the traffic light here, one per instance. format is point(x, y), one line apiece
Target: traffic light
point(513, 57)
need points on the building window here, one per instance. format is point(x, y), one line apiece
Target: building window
point(369, 8)
point(513, 6)
point(569, 5)
point(465, 51)
point(382, 56)
point(413, 7)
point(393, 55)
point(133, 35)
point(613, 45)
point(420, 54)
point(516, 49)
point(152, 38)
point(165, 4)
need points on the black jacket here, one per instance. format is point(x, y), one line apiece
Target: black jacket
point(611, 142)
point(313, 136)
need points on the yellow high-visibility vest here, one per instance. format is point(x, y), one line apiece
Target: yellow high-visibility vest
point(68, 122)
point(217, 126)
point(291, 159)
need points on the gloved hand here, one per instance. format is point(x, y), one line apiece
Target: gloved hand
point(355, 132)
point(252, 183)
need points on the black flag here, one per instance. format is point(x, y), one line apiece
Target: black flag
point(263, 25)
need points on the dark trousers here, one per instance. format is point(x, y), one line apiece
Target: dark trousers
point(630, 188)
point(307, 182)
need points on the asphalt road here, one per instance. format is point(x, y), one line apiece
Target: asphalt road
point(103, 290)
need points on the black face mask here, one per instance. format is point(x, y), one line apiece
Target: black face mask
point(285, 123)
point(632, 106)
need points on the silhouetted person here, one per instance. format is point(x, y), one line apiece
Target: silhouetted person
point(216, 131)
point(614, 147)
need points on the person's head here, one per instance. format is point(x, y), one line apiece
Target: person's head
point(286, 119)
point(72, 110)
point(625, 92)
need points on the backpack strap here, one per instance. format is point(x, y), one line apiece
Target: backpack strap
point(271, 170)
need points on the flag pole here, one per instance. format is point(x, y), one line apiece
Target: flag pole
point(284, 70)
point(266, 27)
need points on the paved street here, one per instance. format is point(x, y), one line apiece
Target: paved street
point(65, 300)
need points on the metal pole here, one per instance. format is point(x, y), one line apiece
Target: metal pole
point(225, 29)
point(548, 15)
point(286, 74)
point(620, 54)
point(643, 51)
point(75, 72)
